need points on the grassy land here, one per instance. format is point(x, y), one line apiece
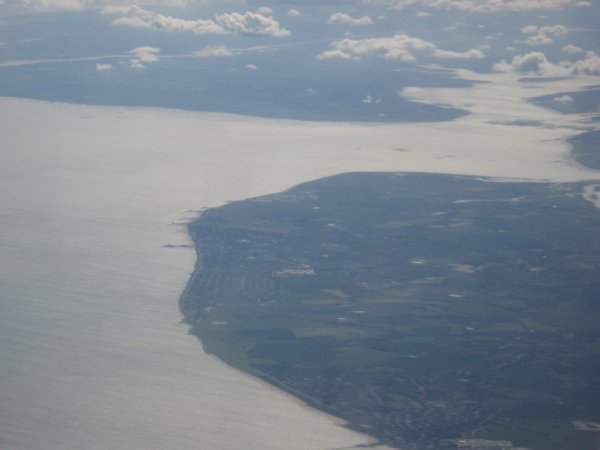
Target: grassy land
point(421, 308)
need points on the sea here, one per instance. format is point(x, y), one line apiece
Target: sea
point(94, 254)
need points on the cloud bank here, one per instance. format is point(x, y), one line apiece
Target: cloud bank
point(398, 47)
point(55, 5)
point(543, 35)
point(346, 19)
point(536, 63)
point(572, 50)
point(248, 23)
point(143, 55)
point(214, 50)
point(80, 5)
point(483, 5)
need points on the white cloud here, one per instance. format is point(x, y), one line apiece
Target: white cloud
point(543, 35)
point(251, 67)
point(423, 14)
point(136, 64)
point(347, 19)
point(572, 50)
point(80, 5)
point(398, 47)
point(539, 39)
point(265, 10)
point(336, 54)
point(103, 66)
point(563, 99)
point(136, 17)
point(536, 63)
point(294, 13)
point(530, 63)
point(590, 65)
point(473, 53)
point(55, 5)
point(483, 5)
point(145, 54)
point(249, 23)
point(214, 50)
point(252, 24)
point(368, 99)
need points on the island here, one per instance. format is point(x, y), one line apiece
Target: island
point(429, 311)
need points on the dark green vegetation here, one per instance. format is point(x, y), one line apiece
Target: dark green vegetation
point(586, 149)
point(421, 308)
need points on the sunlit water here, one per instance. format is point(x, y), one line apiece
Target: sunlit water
point(93, 354)
point(92, 351)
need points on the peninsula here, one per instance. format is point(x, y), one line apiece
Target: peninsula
point(430, 311)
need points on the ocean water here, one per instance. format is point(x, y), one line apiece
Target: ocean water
point(93, 354)
point(93, 202)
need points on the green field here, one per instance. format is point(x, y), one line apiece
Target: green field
point(423, 309)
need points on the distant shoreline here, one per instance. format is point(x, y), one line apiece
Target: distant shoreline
point(585, 149)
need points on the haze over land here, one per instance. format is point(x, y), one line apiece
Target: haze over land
point(93, 198)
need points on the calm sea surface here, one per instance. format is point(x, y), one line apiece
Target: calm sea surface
point(92, 351)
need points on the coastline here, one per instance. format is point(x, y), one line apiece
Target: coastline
point(231, 356)
point(187, 160)
point(305, 404)
point(271, 383)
